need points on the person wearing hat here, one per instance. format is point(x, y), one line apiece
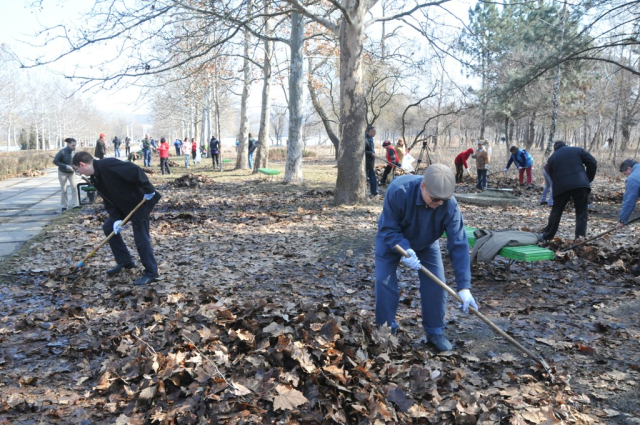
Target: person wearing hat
point(392, 161)
point(482, 164)
point(572, 169)
point(416, 212)
point(101, 147)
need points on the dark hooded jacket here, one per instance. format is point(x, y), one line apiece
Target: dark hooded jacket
point(571, 168)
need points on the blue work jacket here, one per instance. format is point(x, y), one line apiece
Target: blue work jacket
point(406, 220)
point(631, 193)
point(522, 158)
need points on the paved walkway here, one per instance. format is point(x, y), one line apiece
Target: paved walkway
point(26, 206)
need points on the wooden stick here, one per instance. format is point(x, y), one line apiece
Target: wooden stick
point(105, 240)
point(596, 237)
point(479, 315)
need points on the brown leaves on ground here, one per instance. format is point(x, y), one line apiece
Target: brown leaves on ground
point(265, 314)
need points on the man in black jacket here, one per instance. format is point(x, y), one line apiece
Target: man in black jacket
point(66, 175)
point(122, 185)
point(214, 149)
point(571, 170)
point(370, 161)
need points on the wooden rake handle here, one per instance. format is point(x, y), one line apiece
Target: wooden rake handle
point(105, 240)
point(481, 316)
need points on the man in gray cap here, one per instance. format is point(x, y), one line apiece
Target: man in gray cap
point(417, 210)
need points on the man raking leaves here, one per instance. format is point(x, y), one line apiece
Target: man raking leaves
point(417, 210)
point(123, 185)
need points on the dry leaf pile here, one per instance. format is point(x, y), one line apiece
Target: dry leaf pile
point(264, 314)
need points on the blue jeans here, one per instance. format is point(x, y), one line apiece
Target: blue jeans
point(251, 160)
point(482, 179)
point(548, 188)
point(116, 152)
point(433, 298)
point(186, 160)
point(373, 181)
point(146, 154)
point(177, 150)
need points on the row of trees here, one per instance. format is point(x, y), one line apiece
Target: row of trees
point(538, 68)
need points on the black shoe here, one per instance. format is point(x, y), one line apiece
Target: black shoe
point(114, 271)
point(144, 279)
point(543, 202)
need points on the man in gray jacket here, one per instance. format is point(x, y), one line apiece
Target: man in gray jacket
point(66, 175)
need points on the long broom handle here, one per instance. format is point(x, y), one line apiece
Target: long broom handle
point(105, 240)
point(480, 316)
point(596, 237)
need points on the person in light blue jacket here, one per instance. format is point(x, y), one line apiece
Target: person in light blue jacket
point(631, 169)
point(416, 212)
point(524, 162)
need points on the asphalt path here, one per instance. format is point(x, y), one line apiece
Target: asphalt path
point(27, 205)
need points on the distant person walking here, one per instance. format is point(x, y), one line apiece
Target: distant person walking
point(67, 175)
point(186, 151)
point(146, 151)
point(524, 162)
point(127, 146)
point(116, 147)
point(163, 149)
point(101, 147)
point(178, 145)
point(214, 148)
point(194, 150)
point(253, 144)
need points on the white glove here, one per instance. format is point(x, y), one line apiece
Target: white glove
point(412, 262)
point(468, 171)
point(486, 166)
point(149, 196)
point(467, 300)
point(505, 170)
point(117, 226)
point(520, 168)
point(68, 167)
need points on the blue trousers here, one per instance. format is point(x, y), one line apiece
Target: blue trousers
point(482, 179)
point(141, 237)
point(251, 160)
point(548, 188)
point(146, 155)
point(373, 181)
point(116, 152)
point(433, 299)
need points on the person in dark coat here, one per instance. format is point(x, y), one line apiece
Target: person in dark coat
point(370, 160)
point(631, 169)
point(123, 185)
point(572, 170)
point(101, 147)
point(214, 148)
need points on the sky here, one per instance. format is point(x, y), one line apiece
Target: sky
point(19, 22)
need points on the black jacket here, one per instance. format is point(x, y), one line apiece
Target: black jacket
point(253, 144)
point(214, 147)
point(62, 159)
point(101, 149)
point(571, 168)
point(122, 185)
point(369, 152)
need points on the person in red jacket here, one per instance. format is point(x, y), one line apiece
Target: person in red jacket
point(392, 161)
point(194, 149)
point(461, 161)
point(163, 149)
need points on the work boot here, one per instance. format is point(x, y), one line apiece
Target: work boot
point(114, 271)
point(144, 279)
point(440, 342)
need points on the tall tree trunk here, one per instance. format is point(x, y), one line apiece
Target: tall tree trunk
point(556, 87)
point(262, 152)
point(242, 157)
point(293, 169)
point(350, 184)
point(532, 131)
point(483, 117)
